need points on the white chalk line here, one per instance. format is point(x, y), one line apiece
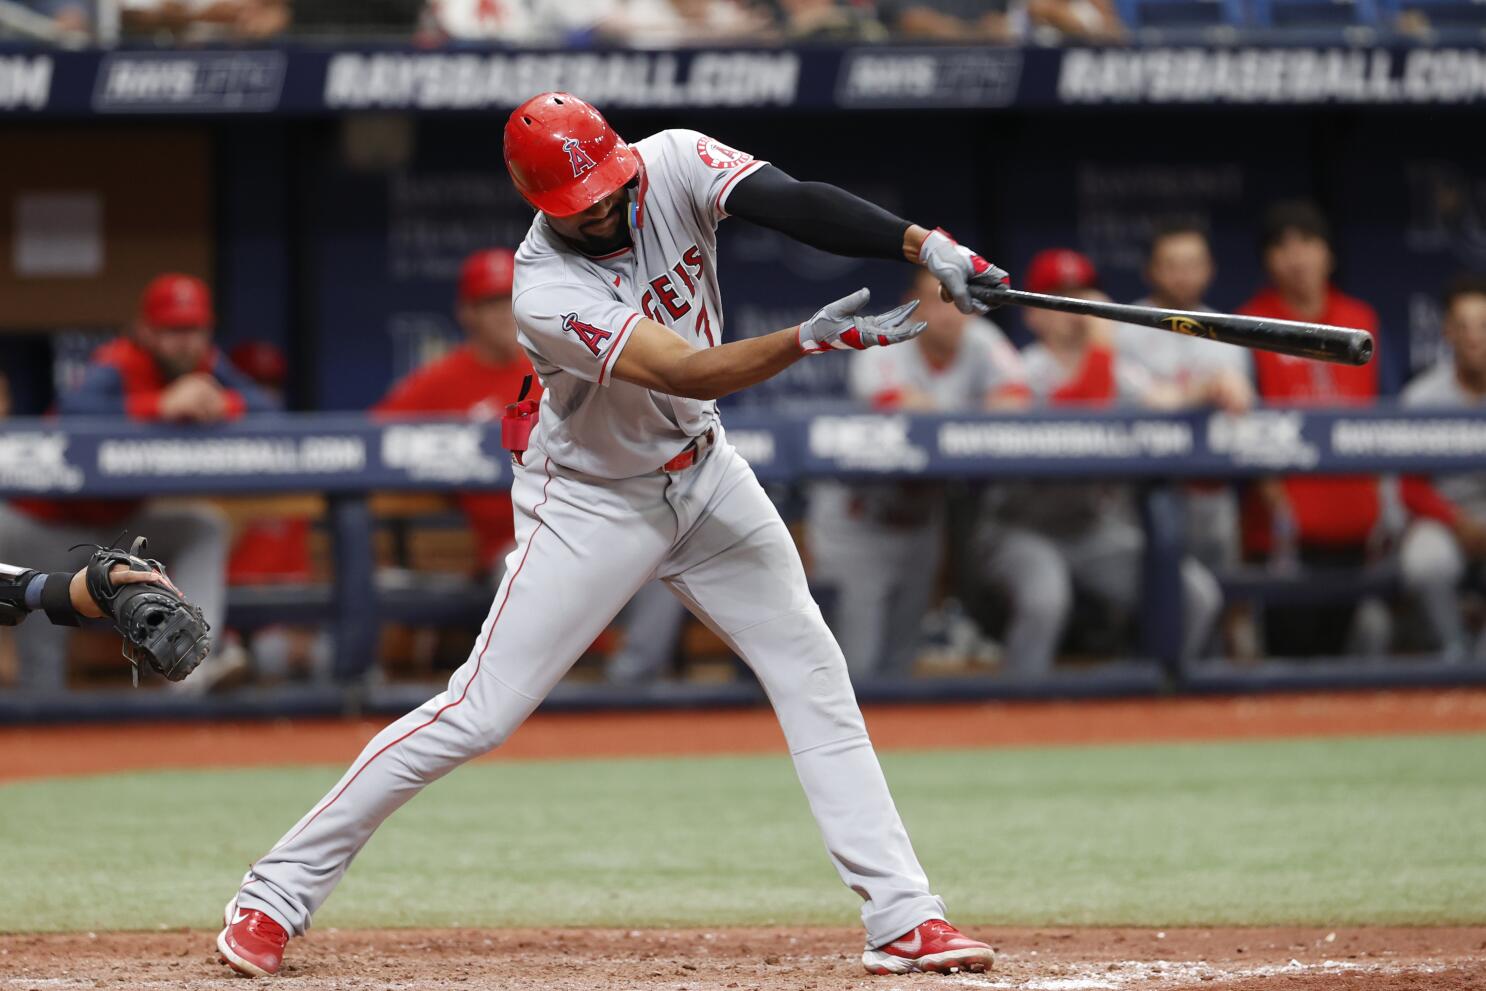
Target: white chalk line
point(1155, 973)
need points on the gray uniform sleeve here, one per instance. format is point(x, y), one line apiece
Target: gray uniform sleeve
point(575, 328)
point(708, 168)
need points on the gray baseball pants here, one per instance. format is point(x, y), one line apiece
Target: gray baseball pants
point(585, 545)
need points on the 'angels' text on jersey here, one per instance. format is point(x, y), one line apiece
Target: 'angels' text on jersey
point(664, 303)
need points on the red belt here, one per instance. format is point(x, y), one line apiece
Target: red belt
point(693, 453)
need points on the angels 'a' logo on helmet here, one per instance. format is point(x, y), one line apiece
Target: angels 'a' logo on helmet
point(577, 157)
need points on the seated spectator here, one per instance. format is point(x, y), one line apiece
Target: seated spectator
point(957, 21)
point(67, 16)
point(1179, 269)
point(206, 20)
point(1319, 521)
point(879, 546)
point(164, 369)
point(828, 20)
point(1440, 551)
point(1074, 20)
point(662, 23)
point(275, 550)
point(1041, 542)
point(476, 380)
point(527, 22)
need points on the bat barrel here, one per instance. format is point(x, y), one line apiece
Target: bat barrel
point(1323, 342)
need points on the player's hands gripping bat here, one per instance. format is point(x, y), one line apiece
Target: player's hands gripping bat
point(1343, 345)
point(961, 272)
point(839, 326)
point(159, 627)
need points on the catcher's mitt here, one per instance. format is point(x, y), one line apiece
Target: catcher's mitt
point(160, 628)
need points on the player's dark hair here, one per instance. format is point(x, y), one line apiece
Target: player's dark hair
point(1292, 216)
point(1465, 284)
point(1174, 228)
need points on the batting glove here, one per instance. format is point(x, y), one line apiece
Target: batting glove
point(969, 279)
point(839, 327)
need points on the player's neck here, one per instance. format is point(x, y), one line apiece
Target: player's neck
point(1307, 304)
point(1166, 302)
point(599, 247)
point(492, 354)
point(1472, 380)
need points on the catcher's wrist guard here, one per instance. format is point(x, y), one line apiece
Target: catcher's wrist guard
point(13, 585)
point(159, 627)
point(24, 591)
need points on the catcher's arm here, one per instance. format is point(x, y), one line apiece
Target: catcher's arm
point(158, 626)
point(23, 591)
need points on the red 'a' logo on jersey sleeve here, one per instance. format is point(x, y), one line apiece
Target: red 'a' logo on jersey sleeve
point(587, 332)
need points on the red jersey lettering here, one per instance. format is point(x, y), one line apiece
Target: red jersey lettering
point(692, 256)
point(666, 293)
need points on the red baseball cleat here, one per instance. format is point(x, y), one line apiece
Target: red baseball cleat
point(934, 946)
point(251, 944)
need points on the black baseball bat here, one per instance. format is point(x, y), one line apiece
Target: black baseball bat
point(1343, 345)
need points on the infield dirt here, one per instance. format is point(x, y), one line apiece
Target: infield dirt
point(1375, 959)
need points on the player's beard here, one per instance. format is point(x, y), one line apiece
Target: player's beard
point(605, 244)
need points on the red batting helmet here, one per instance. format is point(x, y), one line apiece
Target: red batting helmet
point(486, 274)
point(563, 156)
point(173, 300)
point(1059, 270)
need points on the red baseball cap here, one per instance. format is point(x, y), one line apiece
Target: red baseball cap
point(261, 362)
point(177, 301)
point(486, 274)
point(1059, 270)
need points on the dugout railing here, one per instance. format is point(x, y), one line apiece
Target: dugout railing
point(348, 457)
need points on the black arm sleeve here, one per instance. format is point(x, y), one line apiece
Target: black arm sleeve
point(818, 214)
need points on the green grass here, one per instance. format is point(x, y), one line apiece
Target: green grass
point(1327, 832)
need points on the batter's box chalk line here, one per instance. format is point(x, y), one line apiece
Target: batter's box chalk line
point(1155, 973)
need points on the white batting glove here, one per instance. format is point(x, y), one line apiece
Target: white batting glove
point(968, 278)
point(839, 327)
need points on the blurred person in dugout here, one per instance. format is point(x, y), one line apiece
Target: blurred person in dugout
point(205, 20)
point(1447, 548)
point(1040, 542)
point(164, 369)
point(274, 550)
point(1308, 520)
point(1179, 269)
point(1002, 21)
point(879, 546)
point(476, 380)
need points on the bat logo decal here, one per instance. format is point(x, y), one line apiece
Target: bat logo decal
point(1188, 326)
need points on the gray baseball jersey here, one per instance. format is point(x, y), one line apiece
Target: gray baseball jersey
point(985, 363)
point(1066, 508)
point(1175, 358)
point(1438, 386)
point(575, 312)
point(1045, 375)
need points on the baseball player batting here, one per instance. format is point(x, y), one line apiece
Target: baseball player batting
point(628, 476)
